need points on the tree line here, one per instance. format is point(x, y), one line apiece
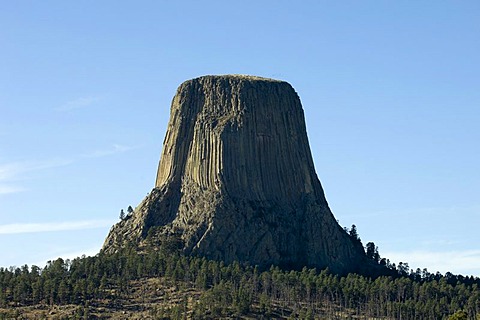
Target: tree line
point(236, 289)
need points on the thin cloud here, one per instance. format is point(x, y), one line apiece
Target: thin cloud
point(79, 103)
point(7, 189)
point(116, 148)
point(466, 262)
point(18, 228)
point(13, 171)
point(9, 171)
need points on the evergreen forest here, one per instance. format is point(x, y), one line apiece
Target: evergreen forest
point(164, 284)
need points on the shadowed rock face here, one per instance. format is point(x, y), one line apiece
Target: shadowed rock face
point(236, 180)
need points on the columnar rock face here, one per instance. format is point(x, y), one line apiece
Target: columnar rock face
point(236, 180)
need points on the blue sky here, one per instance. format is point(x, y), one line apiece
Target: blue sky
point(390, 91)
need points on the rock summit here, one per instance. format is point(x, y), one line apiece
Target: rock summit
point(236, 181)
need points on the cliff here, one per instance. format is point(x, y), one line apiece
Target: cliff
point(236, 181)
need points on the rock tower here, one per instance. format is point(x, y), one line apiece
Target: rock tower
point(236, 181)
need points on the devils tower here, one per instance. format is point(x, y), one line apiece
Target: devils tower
point(236, 181)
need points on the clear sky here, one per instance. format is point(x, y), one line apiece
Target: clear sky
point(390, 91)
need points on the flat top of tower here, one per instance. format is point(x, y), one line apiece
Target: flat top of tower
point(239, 76)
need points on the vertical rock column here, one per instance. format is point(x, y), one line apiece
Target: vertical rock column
point(236, 180)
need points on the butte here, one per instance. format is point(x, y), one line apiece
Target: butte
point(236, 181)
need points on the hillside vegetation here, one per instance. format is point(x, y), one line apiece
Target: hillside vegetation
point(164, 284)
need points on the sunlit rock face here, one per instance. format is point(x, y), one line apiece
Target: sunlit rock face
point(236, 180)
